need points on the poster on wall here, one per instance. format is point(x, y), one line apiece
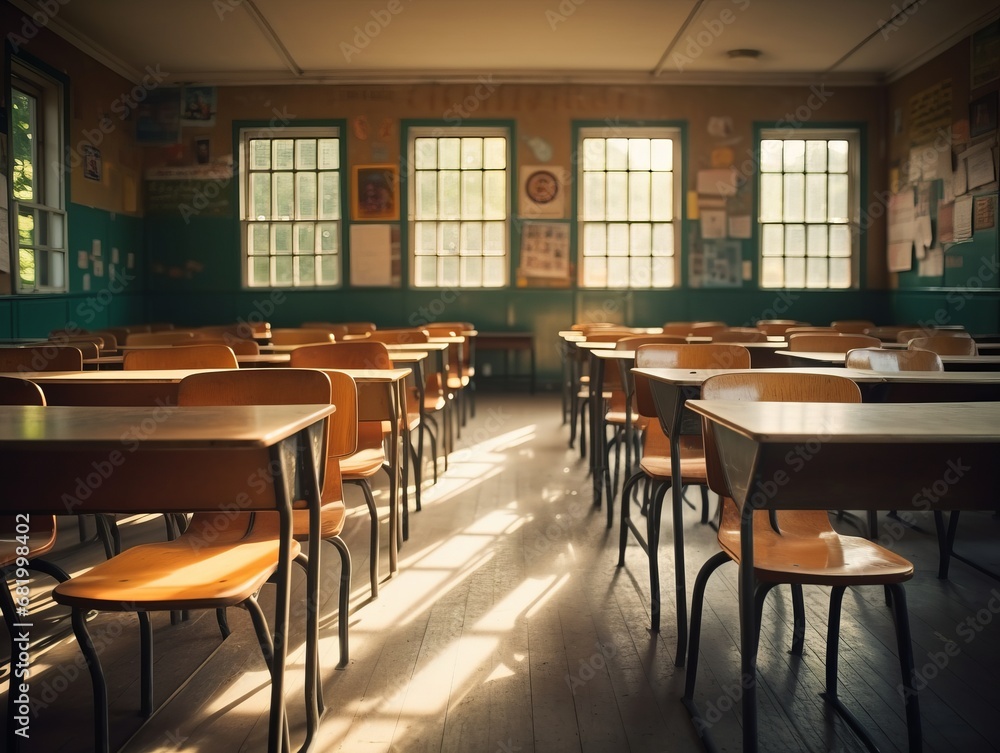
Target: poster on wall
point(199, 105)
point(545, 250)
point(716, 264)
point(986, 55)
point(158, 118)
point(543, 192)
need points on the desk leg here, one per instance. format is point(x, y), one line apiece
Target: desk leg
point(284, 488)
point(748, 632)
point(394, 495)
point(598, 438)
point(680, 580)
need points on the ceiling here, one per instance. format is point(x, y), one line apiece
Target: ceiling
point(640, 41)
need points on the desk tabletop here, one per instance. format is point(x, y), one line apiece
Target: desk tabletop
point(59, 427)
point(409, 356)
point(243, 359)
point(898, 423)
point(415, 347)
point(175, 375)
point(695, 377)
point(809, 355)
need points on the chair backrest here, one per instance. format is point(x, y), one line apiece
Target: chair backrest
point(945, 346)
point(777, 326)
point(339, 331)
point(809, 330)
point(14, 391)
point(87, 348)
point(852, 326)
point(683, 356)
point(457, 327)
point(878, 359)
point(239, 346)
point(707, 328)
point(774, 386)
point(399, 336)
point(300, 336)
point(739, 335)
point(608, 335)
point(677, 328)
point(634, 341)
point(359, 328)
point(359, 354)
point(181, 357)
point(830, 343)
point(41, 358)
point(165, 337)
point(905, 335)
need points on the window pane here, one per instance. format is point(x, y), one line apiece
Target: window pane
point(494, 154)
point(448, 236)
point(449, 190)
point(840, 273)
point(838, 208)
point(306, 198)
point(795, 273)
point(638, 154)
point(772, 272)
point(425, 271)
point(661, 154)
point(305, 270)
point(328, 241)
point(281, 239)
point(426, 195)
point(773, 240)
point(305, 237)
point(329, 271)
point(305, 154)
point(329, 190)
point(472, 239)
point(595, 238)
point(816, 156)
point(794, 190)
point(816, 197)
point(595, 272)
point(284, 270)
point(662, 196)
point(495, 195)
point(593, 154)
point(425, 238)
point(795, 153)
point(472, 154)
point(640, 273)
point(770, 156)
point(283, 152)
point(425, 154)
point(663, 240)
point(816, 238)
point(259, 241)
point(770, 198)
point(260, 195)
point(260, 154)
point(329, 154)
point(840, 240)
point(283, 194)
point(795, 240)
point(472, 271)
point(493, 272)
point(448, 271)
point(838, 157)
point(663, 272)
point(259, 271)
point(494, 238)
point(816, 273)
point(640, 239)
point(593, 196)
point(449, 154)
point(638, 196)
point(618, 239)
point(472, 194)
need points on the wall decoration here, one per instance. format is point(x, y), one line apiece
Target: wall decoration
point(986, 55)
point(203, 151)
point(543, 192)
point(375, 194)
point(92, 166)
point(199, 106)
point(983, 115)
point(929, 113)
point(545, 250)
point(158, 118)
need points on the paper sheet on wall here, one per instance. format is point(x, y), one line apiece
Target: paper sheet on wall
point(739, 226)
point(923, 236)
point(713, 223)
point(371, 255)
point(717, 182)
point(901, 212)
point(932, 265)
point(946, 223)
point(900, 258)
point(963, 218)
point(979, 164)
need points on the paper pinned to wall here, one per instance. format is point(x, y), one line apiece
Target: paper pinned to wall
point(932, 265)
point(923, 236)
point(371, 255)
point(717, 182)
point(980, 167)
point(739, 226)
point(963, 218)
point(901, 214)
point(713, 223)
point(900, 258)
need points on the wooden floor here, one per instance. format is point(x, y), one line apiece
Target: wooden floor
point(509, 628)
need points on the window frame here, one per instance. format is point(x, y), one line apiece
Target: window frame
point(855, 134)
point(410, 131)
point(50, 89)
point(672, 129)
point(276, 128)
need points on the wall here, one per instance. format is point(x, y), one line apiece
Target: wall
point(194, 260)
point(104, 210)
point(968, 291)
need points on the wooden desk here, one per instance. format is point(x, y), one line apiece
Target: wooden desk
point(951, 363)
point(71, 443)
point(510, 342)
point(114, 362)
point(755, 441)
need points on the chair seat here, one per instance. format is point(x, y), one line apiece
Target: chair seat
point(617, 417)
point(692, 468)
point(363, 463)
point(433, 403)
point(457, 382)
point(186, 572)
point(827, 559)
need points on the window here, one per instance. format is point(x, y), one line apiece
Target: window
point(628, 210)
point(290, 205)
point(808, 197)
point(38, 181)
point(459, 200)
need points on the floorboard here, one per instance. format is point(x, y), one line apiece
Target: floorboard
point(509, 628)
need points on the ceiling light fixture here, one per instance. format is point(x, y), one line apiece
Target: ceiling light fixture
point(744, 55)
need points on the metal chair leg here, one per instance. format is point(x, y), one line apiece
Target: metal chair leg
point(97, 680)
point(798, 620)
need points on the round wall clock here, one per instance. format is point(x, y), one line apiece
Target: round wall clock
point(542, 186)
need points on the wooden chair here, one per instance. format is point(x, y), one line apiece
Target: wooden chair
point(682, 329)
point(777, 326)
point(462, 374)
point(89, 349)
point(803, 330)
point(905, 335)
point(739, 335)
point(888, 332)
point(803, 548)
point(359, 328)
point(707, 329)
point(830, 343)
point(945, 345)
point(339, 331)
point(300, 336)
point(655, 466)
point(165, 337)
point(212, 565)
point(41, 358)
point(879, 359)
point(369, 456)
point(181, 357)
point(238, 345)
point(852, 326)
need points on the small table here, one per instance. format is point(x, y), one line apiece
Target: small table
point(511, 342)
point(863, 447)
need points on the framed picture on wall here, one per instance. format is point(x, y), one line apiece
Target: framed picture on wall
point(91, 162)
point(375, 192)
point(983, 115)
